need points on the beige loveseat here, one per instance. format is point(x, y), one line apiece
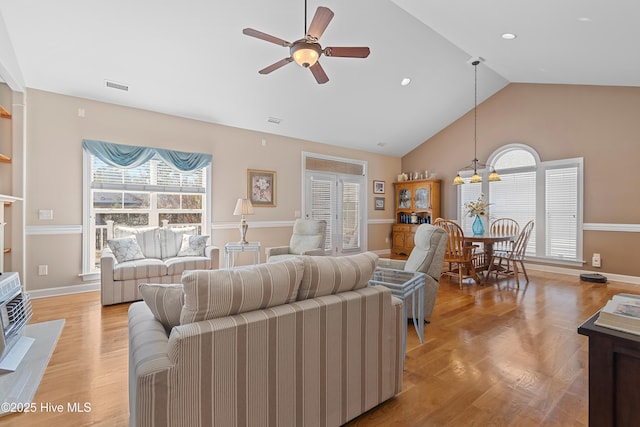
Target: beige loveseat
point(297, 342)
point(164, 253)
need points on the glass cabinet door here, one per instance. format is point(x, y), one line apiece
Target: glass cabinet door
point(422, 198)
point(404, 199)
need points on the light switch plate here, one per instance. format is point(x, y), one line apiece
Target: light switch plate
point(45, 214)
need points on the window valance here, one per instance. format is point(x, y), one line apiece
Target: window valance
point(129, 156)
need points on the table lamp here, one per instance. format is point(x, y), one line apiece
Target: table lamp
point(243, 207)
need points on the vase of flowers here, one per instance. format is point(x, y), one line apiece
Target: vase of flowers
point(479, 210)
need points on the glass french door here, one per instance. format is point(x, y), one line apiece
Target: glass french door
point(340, 200)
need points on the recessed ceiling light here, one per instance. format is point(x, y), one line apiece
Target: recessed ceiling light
point(508, 36)
point(584, 19)
point(405, 81)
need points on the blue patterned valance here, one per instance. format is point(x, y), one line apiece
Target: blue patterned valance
point(129, 156)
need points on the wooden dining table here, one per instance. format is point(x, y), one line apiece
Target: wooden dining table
point(487, 239)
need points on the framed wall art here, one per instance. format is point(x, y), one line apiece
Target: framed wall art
point(261, 187)
point(378, 187)
point(379, 203)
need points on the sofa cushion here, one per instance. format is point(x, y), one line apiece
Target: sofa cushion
point(210, 294)
point(326, 275)
point(125, 249)
point(147, 238)
point(171, 239)
point(164, 301)
point(139, 269)
point(300, 244)
point(177, 265)
point(193, 245)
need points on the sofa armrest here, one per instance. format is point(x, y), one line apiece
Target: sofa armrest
point(213, 253)
point(396, 264)
point(107, 258)
point(278, 250)
point(148, 360)
point(313, 252)
point(107, 286)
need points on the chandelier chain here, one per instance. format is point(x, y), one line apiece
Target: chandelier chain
point(475, 112)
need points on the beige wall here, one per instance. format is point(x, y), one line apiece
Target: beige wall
point(54, 174)
point(598, 123)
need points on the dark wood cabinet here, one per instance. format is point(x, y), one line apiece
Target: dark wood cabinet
point(418, 197)
point(614, 375)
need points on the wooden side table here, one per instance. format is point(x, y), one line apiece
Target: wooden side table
point(614, 375)
point(231, 249)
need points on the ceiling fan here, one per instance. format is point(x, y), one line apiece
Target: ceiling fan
point(307, 50)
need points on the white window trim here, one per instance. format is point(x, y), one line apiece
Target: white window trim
point(364, 197)
point(87, 247)
point(541, 167)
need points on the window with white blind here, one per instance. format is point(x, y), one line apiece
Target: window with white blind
point(334, 192)
point(549, 193)
point(145, 195)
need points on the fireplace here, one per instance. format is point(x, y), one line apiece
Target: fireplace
point(15, 312)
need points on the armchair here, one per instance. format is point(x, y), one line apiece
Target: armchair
point(426, 257)
point(307, 239)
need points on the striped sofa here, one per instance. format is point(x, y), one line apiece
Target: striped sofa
point(299, 342)
point(160, 261)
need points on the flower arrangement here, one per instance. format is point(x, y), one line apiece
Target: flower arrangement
point(479, 207)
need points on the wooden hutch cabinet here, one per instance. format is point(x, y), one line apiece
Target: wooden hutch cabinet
point(416, 202)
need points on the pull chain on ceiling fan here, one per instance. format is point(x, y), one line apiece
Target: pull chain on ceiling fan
point(307, 50)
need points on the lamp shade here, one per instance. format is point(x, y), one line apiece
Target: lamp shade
point(458, 180)
point(243, 207)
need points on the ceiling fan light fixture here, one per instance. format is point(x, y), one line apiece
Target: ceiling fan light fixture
point(305, 54)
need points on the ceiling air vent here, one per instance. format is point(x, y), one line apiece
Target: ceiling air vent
point(115, 85)
point(274, 120)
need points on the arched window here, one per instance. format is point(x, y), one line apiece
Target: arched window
point(550, 193)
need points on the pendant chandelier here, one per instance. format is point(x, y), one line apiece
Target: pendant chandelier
point(475, 164)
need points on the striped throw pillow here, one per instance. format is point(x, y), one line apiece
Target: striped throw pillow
point(210, 294)
point(164, 301)
point(326, 275)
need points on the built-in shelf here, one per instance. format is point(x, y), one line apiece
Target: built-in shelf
point(4, 113)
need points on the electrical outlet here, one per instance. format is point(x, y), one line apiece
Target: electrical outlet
point(43, 270)
point(595, 260)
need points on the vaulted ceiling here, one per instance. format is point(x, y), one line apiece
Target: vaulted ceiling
point(190, 59)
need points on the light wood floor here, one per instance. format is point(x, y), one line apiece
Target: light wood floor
point(494, 355)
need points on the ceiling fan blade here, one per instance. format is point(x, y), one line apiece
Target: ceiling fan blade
point(275, 66)
point(264, 36)
point(319, 23)
point(318, 73)
point(347, 52)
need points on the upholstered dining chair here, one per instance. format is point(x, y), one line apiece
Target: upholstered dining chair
point(458, 255)
point(513, 257)
point(307, 239)
point(426, 257)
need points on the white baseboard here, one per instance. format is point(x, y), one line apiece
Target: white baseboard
point(64, 290)
point(634, 280)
